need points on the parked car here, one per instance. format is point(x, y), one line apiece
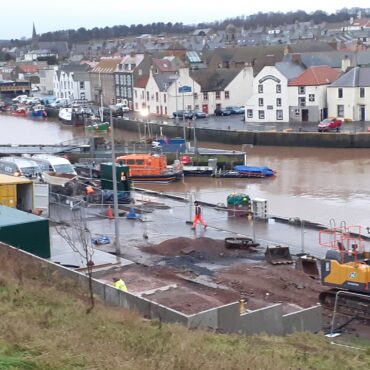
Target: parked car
point(222, 112)
point(329, 124)
point(20, 99)
point(60, 102)
point(187, 114)
point(199, 114)
point(123, 107)
point(236, 110)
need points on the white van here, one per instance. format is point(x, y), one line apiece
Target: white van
point(53, 163)
point(19, 166)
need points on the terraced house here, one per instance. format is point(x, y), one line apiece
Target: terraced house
point(349, 96)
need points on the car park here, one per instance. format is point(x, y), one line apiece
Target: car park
point(236, 110)
point(329, 124)
point(222, 112)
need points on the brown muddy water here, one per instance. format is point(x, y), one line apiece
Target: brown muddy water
point(315, 184)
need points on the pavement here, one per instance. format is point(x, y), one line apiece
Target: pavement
point(168, 218)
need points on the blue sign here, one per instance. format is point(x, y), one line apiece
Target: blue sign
point(184, 89)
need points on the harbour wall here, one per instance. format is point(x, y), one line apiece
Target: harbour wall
point(267, 138)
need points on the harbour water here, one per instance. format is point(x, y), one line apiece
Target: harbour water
point(314, 184)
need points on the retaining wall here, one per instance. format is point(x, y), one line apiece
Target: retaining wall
point(226, 318)
point(272, 138)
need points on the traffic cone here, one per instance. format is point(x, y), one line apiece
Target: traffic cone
point(110, 213)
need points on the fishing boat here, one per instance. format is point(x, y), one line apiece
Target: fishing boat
point(75, 115)
point(150, 168)
point(246, 172)
point(38, 111)
point(19, 111)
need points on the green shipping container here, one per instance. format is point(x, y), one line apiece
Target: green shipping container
point(122, 173)
point(25, 231)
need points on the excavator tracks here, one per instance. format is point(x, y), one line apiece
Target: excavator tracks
point(347, 305)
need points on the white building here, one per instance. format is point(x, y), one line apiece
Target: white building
point(47, 80)
point(269, 101)
point(36, 54)
point(348, 96)
point(308, 94)
point(222, 87)
point(72, 82)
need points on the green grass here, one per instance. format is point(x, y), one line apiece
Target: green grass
point(42, 328)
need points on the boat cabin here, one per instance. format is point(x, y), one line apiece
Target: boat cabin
point(144, 164)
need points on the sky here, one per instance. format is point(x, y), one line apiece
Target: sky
point(50, 15)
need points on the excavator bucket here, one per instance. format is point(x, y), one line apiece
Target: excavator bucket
point(308, 265)
point(278, 255)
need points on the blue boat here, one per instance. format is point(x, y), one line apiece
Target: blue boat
point(246, 172)
point(38, 111)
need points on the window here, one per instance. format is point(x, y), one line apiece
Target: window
point(117, 91)
point(340, 93)
point(147, 96)
point(195, 96)
point(301, 90)
point(205, 95)
point(260, 89)
point(227, 94)
point(261, 114)
point(124, 81)
point(156, 96)
point(279, 114)
point(340, 110)
point(129, 92)
point(121, 80)
point(260, 102)
point(117, 79)
point(218, 95)
point(165, 111)
point(124, 91)
point(129, 80)
point(297, 112)
point(362, 92)
point(82, 85)
point(278, 88)
point(140, 161)
point(249, 113)
point(135, 93)
point(130, 161)
point(311, 97)
point(278, 102)
point(82, 96)
point(164, 98)
point(157, 109)
point(302, 102)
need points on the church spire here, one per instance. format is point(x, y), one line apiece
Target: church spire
point(34, 37)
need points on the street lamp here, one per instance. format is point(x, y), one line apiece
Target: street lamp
point(144, 114)
point(115, 195)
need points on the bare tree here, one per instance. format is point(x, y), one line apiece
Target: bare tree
point(78, 237)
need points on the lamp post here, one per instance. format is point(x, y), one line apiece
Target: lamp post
point(115, 195)
point(144, 114)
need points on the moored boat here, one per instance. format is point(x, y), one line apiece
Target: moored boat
point(150, 168)
point(97, 126)
point(38, 111)
point(19, 111)
point(75, 115)
point(246, 172)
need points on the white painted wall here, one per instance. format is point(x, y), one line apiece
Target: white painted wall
point(351, 101)
point(269, 96)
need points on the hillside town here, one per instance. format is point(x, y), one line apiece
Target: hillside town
point(297, 73)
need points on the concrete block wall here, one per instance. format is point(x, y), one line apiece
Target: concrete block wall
point(226, 318)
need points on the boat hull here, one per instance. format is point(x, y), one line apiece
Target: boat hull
point(68, 117)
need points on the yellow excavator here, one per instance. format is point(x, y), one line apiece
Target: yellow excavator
point(346, 267)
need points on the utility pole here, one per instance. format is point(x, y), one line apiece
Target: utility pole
point(115, 195)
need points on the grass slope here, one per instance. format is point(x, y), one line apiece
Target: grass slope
point(42, 328)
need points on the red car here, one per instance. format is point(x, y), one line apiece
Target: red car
point(329, 124)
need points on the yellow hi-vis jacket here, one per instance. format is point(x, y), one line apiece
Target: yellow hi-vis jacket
point(120, 284)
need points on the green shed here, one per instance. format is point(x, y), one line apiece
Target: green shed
point(25, 231)
point(122, 173)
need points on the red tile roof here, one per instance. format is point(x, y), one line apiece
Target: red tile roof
point(315, 76)
point(164, 65)
point(141, 81)
point(28, 68)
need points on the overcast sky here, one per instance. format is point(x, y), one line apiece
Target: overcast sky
point(50, 15)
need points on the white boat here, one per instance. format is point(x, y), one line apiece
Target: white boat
point(75, 115)
point(60, 179)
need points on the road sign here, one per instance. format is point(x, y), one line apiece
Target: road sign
point(184, 89)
